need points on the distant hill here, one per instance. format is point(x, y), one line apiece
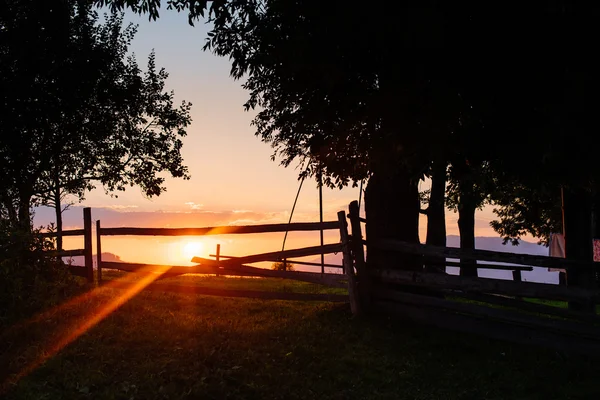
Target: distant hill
point(482, 243)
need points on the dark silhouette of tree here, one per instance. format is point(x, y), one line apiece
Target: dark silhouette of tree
point(282, 266)
point(361, 93)
point(78, 110)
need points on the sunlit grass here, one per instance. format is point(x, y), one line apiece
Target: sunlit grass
point(171, 346)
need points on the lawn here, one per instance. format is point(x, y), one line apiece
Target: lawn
point(161, 345)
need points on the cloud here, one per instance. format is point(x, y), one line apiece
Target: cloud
point(194, 206)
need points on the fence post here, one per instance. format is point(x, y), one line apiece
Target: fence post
point(517, 278)
point(218, 256)
point(356, 242)
point(347, 260)
point(87, 243)
point(98, 253)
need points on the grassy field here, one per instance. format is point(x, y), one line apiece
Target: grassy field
point(179, 346)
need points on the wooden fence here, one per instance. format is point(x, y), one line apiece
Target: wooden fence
point(229, 265)
point(501, 309)
point(87, 271)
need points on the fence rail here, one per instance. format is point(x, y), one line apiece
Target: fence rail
point(481, 255)
point(69, 232)
point(221, 230)
point(495, 308)
point(312, 264)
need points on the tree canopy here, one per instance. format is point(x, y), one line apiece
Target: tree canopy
point(77, 109)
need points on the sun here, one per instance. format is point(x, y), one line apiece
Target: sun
point(192, 249)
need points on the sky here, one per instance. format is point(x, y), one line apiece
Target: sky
point(233, 179)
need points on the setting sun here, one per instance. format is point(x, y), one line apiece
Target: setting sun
point(192, 249)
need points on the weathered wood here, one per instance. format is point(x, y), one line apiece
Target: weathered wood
point(222, 230)
point(482, 266)
point(509, 316)
point(484, 285)
point(218, 255)
point(98, 253)
point(483, 255)
point(334, 280)
point(313, 264)
point(491, 328)
point(72, 232)
point(211, 267)
point(87, 243)
point(278, 255)
point(528, 306)
point(348, 267)
point(356, 244)
point(66, 253)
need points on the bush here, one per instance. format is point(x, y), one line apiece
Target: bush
point(282, 266)
point(29, 279)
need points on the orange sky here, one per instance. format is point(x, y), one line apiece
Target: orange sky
point(233, 178)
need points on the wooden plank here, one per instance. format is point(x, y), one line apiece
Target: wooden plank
point(348, 267)
point(511, 316)
point(211, 267)
point(529, 306)
point(278, 255)
point(482, 266)
point(313, 264)
point(490, 328)
point(222, 230)
point(334, 280)
point(485, 285)
point(483, 255)
point(87, 243)
point(98, 253)
point(72, 232)
point(356, 244)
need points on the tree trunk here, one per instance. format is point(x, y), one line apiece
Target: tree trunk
point(466, 224)
point(392, 211)
point(24, 212)
point(579, 241)
point(436, 214)
point(58, 212)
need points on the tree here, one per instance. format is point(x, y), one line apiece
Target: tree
point(283, 266)
point(98, 117)
point(345, 87)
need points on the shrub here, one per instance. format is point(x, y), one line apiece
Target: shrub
point(29, 279)
point(282, 266)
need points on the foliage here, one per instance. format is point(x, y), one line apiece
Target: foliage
point(527, 210)
point(346, 88)
point(282, 266)
point(98, 116)
point(29, 279)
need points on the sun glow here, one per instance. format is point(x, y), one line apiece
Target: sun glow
point(192, 249)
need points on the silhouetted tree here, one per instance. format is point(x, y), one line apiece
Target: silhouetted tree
point(282, 266)
point(78, 110)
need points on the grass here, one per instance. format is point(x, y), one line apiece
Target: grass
point(176, 346)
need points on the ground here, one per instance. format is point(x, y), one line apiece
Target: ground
point(165, 345)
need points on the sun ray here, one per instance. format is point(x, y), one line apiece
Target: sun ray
point(130, 289)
